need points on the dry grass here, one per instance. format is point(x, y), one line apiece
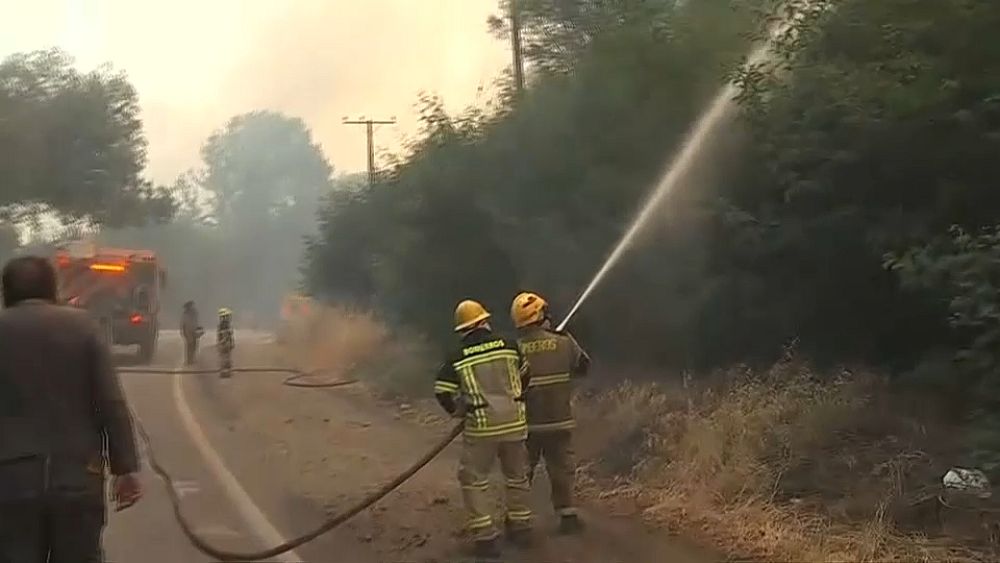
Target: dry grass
point(754, 462)
point(333, 339)
point(784, 465)
point(346, 342)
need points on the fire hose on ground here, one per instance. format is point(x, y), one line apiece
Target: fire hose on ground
point(296, 379)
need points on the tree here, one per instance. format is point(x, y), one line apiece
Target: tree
point(871, 129)
point(262, 167)
point(267, 177)
point(72, 143)
point(534, 194)
point(558, 34)
point(875, 126)
point(237, 236)
point(965, 270)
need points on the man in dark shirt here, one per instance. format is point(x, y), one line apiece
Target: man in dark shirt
point(191, 331)
point(63, 421)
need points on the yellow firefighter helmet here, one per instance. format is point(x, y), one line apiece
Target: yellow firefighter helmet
point(469, 314)
point(527, 309)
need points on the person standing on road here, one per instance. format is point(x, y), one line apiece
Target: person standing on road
point(191, 331)
point(62, 415)
point(482, 382)
point(555, 359)
point(225, 342)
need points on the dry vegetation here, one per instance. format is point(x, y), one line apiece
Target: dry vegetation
point(778, 465)
point(782, 464)
point(346, 342)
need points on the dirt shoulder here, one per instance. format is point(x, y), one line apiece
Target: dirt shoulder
point(327, 448)
point(786, 462)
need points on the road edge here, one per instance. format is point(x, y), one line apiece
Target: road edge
point(252, 515)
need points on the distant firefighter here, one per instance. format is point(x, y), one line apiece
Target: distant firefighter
point(225, 342)
point(191, 331)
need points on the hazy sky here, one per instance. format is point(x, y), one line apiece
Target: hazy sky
point(196, 63)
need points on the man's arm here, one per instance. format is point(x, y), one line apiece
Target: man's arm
point(581, 361)
point(524, 370)
point(446, 388)
point(112, 410)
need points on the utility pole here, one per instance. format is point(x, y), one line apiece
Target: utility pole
point(515, 45)
point(370, 129)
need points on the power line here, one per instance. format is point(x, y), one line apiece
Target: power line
point(370, 129)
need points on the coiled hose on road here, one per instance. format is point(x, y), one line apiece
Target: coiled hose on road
point(295, 380)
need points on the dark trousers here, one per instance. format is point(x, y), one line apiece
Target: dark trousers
point(56, 530)
point(225, 362)
point(556, 448)
point(190, 350)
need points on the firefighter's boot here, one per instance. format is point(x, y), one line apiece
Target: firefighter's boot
point(519, 536)
point(570, 524)
point(486, 550)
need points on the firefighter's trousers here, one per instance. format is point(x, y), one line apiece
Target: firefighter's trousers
point(478, 457)
point(225, 362)
point(556, 447)
point(57, 530)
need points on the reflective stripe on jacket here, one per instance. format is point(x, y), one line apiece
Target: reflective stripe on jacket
point(224, 336)
point(487, 375)
point(554, 359)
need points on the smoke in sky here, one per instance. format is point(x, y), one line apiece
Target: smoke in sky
point(197, 63)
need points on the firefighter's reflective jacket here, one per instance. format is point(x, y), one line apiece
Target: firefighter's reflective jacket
point(555, 358)
point(487, 377)
point(224, 335)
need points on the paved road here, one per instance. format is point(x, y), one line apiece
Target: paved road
point(147, 532)
point(239, 503)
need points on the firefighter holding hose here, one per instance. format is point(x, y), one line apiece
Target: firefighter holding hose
point(483, 382)
point(225, 343)
point(555, 359)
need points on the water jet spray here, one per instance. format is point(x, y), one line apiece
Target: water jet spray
point(678, 167)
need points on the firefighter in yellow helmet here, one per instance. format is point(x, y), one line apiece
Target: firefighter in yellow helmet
point(225, 342)
point(483, 382)
point(555, 359)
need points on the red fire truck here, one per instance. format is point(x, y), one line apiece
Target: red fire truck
point(120, 287)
